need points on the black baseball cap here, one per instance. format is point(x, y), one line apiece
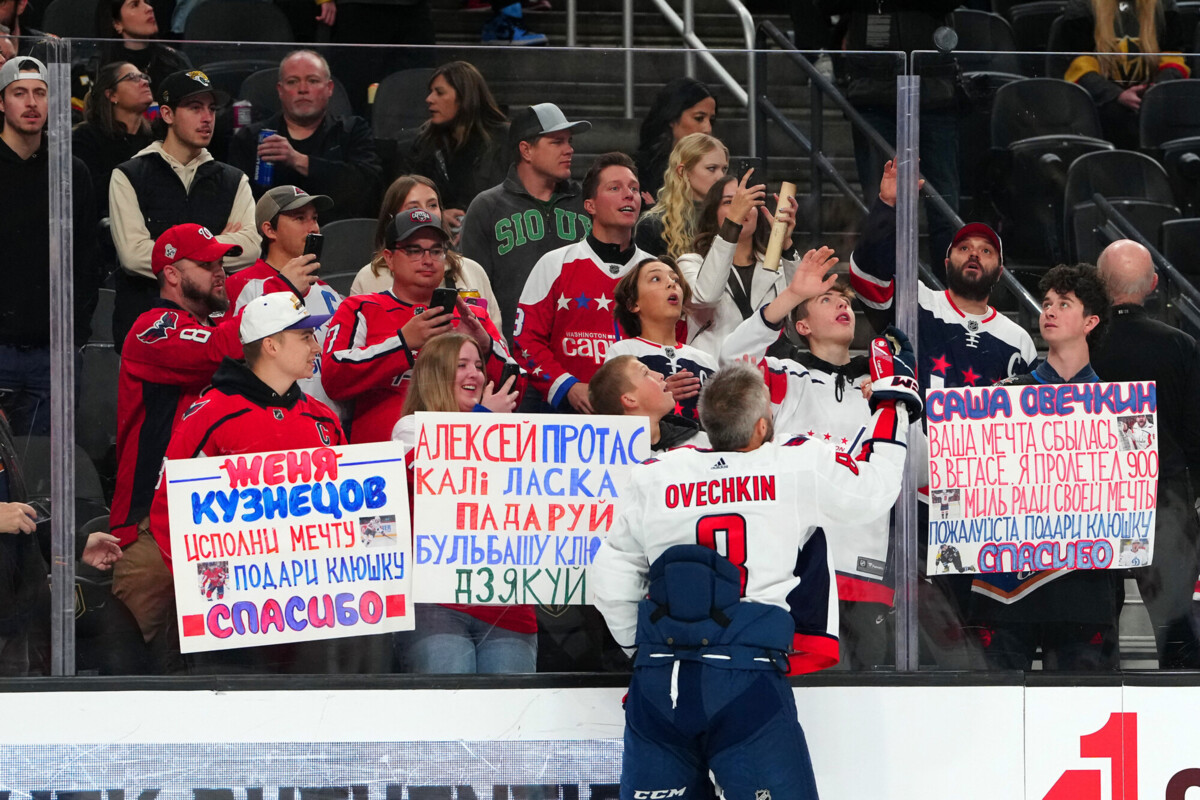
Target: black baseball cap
point(406, 223)
point(179, 86)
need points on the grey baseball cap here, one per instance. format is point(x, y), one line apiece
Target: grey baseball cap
point(23, 68)
point(286, 198)
point(534, 121)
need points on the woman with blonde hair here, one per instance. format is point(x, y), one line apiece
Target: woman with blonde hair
point(1114, 35)
point(448, 376)
point(697, 161)
point(416, 191)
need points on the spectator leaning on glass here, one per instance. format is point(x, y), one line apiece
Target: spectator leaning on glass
point(697, 162)
point(462, 147)
point(416, 191)
point(1115, 73)
point(172, 182)
point(258, 405)
point(648, 305)
point(727, 273)
point(537, 208)
point(624, 386)
point(170, 355)
point(311, 148)
point(374, 339)
point(115, 127)
point(565, 320)
point(681, 107)
point(454, 638)
point(25, 256)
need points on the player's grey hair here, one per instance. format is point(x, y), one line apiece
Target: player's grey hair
point(732, 402)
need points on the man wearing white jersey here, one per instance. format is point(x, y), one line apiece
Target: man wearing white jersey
point(717, 573)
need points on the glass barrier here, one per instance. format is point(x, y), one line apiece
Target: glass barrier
point(1063, 160)
point(134, 389)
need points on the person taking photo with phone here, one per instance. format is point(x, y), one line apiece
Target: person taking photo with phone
point(374, 339)
point(287, 220)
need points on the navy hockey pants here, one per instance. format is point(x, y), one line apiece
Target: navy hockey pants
point(741, 724)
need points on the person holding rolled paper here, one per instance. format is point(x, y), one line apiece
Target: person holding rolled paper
point(729, 272)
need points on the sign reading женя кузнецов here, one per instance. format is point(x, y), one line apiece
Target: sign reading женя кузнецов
point(510, 509)
point(1030, 478)
point(290, 546)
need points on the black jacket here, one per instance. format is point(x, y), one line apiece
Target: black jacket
point(342, 163)
point(25, 256)
point(1138, 348)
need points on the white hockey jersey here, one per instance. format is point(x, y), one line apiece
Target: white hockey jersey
point(667, 361)
point(761, 510)
point(824, 405)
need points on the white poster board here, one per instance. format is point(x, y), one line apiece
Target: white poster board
point(290, 546)
point(510, 509)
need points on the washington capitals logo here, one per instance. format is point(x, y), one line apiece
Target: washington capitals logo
point(420, 215)
point(193, 408)
point(161, 329)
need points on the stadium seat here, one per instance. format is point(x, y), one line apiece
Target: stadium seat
point(73, 19)
point(259, 89)
point(96, 412)
point(399, 106)
point(1170, 131)
point(1134, 183)
point(342, 281)
point(1181, 245)
point(237, 21)
point(102, 317)
point(349, 245)
point(228, 76)
point(1031, 23)
point(34, 455)
point(982, 31)
point(1039, 126)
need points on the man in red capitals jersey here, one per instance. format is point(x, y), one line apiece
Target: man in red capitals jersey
point(718, 572)
point(169, 356)
point(564, 320)
point(256, 406)
point(373, 339)
point(285, 216)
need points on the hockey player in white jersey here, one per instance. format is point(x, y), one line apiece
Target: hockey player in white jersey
point(716, 573)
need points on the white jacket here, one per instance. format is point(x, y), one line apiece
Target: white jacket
point(712, 313)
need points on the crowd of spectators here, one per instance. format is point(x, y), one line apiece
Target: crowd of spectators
point(617, 294)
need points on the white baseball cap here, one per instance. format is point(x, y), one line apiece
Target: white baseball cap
point(23, 68)
point(275, 312)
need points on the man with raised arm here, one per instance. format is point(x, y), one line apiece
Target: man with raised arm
point(718, 574)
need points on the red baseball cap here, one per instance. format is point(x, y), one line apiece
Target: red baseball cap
point(982, 231)
point(188, 241)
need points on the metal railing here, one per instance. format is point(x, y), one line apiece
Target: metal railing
point(685, 26)
point(822, 88)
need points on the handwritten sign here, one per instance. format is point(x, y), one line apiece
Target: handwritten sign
point(290, 546)
point(510, 509)
point(1029, 478)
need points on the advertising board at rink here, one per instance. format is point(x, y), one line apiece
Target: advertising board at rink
point(290, 546)
point(1030, 478)
point(510, 509)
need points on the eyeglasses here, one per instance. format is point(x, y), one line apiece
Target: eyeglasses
point(134, 76)
point(437, 253)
